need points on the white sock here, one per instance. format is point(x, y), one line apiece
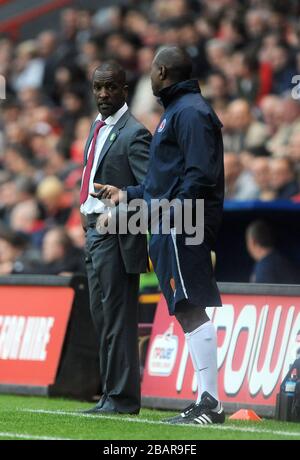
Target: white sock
point(187, 338)
point(202, 345)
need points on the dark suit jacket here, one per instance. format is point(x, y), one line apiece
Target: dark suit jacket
point(123, 162)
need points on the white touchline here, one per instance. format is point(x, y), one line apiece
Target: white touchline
point(153, 422)
point(31, 436)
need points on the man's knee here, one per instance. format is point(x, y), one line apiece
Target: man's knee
point(191, 317)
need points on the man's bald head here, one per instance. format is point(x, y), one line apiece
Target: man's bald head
point(113, 68)
point(170, 65)
point(177, 62)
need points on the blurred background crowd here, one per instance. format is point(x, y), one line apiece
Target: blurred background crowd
point(246, 55)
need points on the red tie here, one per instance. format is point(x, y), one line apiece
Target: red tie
point(84, 192)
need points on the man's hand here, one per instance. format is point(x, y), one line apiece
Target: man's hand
point(108, 192)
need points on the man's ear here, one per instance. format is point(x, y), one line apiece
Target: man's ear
point(125, 89)
point(162, 72)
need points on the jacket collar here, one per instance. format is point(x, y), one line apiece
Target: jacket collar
point(110, 139)
point(167, 95)
point(113, 136)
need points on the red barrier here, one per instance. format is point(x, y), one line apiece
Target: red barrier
point(47, 340)
point(257, 339)
point(33, 323)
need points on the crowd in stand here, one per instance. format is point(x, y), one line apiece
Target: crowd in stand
point(246, 56)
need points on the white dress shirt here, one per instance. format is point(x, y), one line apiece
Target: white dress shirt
point(93, 205)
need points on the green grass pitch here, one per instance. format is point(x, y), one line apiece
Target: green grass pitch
point(37, 418)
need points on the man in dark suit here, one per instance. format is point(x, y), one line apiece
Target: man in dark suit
point(116, 152)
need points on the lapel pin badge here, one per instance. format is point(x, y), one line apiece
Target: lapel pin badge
point(113, 137)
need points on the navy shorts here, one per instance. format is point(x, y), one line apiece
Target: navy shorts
point(184, 271)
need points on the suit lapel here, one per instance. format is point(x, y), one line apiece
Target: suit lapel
point(88, 142)
point(113, 135)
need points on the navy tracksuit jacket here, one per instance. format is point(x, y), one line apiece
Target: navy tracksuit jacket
point(186, 162)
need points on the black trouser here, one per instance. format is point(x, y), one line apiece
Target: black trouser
point(114, 309)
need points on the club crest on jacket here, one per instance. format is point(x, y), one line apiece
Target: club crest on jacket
point(162, 126)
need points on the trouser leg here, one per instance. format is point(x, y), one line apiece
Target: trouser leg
point(117, 324)
point(96, 309)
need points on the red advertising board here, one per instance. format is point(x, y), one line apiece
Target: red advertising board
point(33, 323)
point(257, 340)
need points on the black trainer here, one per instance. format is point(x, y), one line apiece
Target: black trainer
point(202, 413)
point(206, 413)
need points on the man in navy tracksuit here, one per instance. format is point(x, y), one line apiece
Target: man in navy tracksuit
point(186, 163)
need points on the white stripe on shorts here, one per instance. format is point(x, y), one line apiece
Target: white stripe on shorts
point(173, 234)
